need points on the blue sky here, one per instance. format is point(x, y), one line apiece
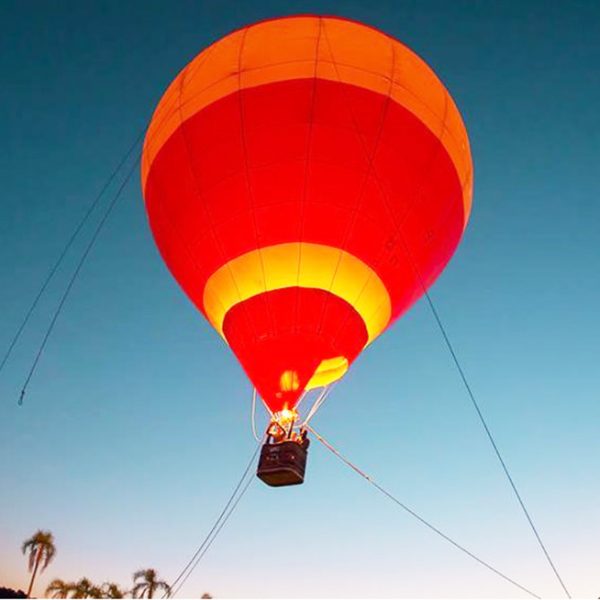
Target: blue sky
point(136, 425)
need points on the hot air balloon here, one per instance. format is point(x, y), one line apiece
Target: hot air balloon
point(306, 179)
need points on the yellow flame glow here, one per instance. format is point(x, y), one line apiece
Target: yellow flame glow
point(288, 382)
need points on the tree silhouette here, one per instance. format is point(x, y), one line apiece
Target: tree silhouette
point(10, 593)
point(84, 588)
point(41, 549)
point(112, 590)
point(59, 589)
point(148, 584)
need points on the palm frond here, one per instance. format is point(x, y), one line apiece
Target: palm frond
point(49, 552)
point(112, 590)
point(32, 556)
point(137, 588)
point(59, 588)
point(139, 574)
point(40, 546)
point(164, 586)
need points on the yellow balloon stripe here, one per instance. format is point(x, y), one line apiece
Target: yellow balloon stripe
point(330, 370)
point(304, 265)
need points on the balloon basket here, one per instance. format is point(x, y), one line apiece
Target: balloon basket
point(283, 463)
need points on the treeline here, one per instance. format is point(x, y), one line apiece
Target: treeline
point(41, 549)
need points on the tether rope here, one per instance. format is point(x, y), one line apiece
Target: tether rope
point(493, 442)
point(229, 507)
point(451, 349)
point(65, 250)
point(221, 525)
point(73, 278)
point(419, 517)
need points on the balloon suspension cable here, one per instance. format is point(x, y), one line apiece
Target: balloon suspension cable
point(253, 413)
point(282, 426)
point(318, 403)
point(253, 416)
point(415, 515)
point(286, 424)
point(302, 396)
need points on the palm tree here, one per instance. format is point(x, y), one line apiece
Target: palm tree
point(149, 584)
point(111, 590)
point(41, 551)
point(84, 588)
point(59, 589)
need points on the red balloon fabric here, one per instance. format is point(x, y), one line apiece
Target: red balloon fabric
point(305, 179)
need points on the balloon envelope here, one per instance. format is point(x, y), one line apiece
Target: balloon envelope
point(305, 178)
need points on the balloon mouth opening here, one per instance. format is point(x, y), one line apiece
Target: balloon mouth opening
point(284, 418)
point(284, 425)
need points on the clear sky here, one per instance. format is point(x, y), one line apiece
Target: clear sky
point(136, 425)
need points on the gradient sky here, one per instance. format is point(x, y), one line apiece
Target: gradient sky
point(136, 426)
